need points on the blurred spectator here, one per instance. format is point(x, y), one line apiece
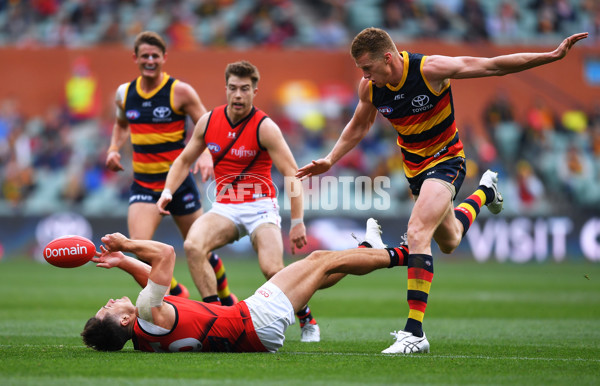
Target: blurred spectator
point(330, 32)
point(396, 13)
point(436, 22)
point(52, 145)
point(530, 187)
point(540, 119)
point(504, 24)
point(17, 179)
point(498, 110)
point(553, 15)
point(82, 92)
point(575, 172)
point(180, 34)
point(475, 19)
point(591, 18)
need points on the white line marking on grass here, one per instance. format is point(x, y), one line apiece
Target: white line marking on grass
point(419, 356)
point(425, 356)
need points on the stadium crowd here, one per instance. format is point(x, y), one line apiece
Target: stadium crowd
point(56, 161)
point(189, 24)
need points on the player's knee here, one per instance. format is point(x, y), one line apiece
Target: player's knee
point(193, 249)
point(449, 243)
point(269, 272)
point(447, 248)
point(316, 255)
point(418, 237)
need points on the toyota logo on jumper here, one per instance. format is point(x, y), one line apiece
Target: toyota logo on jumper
point(161, 112)
point(420, 101)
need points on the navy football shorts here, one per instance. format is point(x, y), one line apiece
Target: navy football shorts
point(186, 199)
point(451, 171)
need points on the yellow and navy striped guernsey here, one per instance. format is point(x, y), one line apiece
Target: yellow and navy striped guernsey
point(423, 118)
point(158, 131)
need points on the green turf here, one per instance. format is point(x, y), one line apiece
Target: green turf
point(487, 324)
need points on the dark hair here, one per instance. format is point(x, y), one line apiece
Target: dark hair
point(105, 334)
point(374, 41)
point(151, 38)
point(243, 69)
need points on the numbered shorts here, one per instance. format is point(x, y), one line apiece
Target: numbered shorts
point(247, 216)
point(186, 199)
point(272, 313)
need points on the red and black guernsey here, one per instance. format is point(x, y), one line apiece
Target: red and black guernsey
point(242, 165)
point(423, 118)
point(202, 327)
point(157, 129)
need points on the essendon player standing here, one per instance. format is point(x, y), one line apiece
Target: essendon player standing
point(244, 143)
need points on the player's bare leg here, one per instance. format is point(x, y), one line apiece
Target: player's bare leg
point(184, 223)
point(209, 232)
point(268, 243)
point(322, 269)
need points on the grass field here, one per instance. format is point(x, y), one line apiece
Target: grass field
point(487, 324)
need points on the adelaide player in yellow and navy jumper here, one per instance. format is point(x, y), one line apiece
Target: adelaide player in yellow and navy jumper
point(158, 133)
point(413, 92)
point(431, 148)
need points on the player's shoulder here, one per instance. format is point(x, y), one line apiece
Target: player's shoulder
point(121, 91)
point(184, 90)
point(364, 89)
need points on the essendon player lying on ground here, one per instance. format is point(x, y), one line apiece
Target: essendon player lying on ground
point(159, 323)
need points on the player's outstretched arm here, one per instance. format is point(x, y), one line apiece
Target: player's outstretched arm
point(136, 268)
point(353, 133)
point(438, 69)
point(160, 256)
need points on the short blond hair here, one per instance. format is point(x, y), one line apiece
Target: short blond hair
point(373, 41)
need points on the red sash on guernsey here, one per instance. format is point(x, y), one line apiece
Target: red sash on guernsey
point(242, 165)
point(202, 327)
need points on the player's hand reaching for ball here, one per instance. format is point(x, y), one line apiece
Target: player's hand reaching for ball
point(114, 242)
point(108, 259)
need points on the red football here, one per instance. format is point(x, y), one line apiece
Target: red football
point(69, 251)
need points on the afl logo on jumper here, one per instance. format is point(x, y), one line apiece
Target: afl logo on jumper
point(420, 101)
point(385, 110)
point(132, 114)
point(161, 112)
point(213, 147)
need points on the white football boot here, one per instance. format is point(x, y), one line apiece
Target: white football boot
point(490, 180)
point(407, 343)
point(310, 333)
point(372, 235)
